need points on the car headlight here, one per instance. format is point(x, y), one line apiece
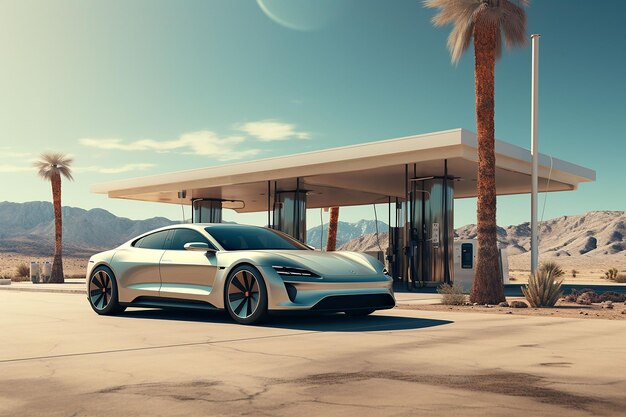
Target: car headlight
point(289, 271)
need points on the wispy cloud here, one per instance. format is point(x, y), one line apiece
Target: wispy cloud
point(16, 168)
point(202, 142)
point(113, 170)
point(93, 168)
point(9, 152)
point(273, 130)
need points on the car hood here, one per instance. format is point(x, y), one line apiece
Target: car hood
point(329, 263)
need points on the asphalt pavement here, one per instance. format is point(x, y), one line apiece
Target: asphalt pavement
point(58, 358)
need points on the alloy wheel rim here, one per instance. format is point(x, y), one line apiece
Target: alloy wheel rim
point(243, 294)
point(100, 288)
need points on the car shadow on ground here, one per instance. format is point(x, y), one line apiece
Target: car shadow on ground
point(296, 321)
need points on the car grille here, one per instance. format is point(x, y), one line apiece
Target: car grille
point(353, 302)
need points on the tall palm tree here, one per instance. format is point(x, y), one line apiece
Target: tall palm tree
point(484, 21)
point(51, 167)
point(331, 242)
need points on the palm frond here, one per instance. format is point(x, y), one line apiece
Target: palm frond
point(513, 24)
point(508, 15)
point(460, 39)
point(54, 163)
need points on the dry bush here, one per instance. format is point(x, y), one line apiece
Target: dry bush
point(23, 270)
point(587, 296)
point(584, 299)
point(552, 268)
point(451, 295)
point(612, 296)
point(620, 279)
point(611, 274)
point(19, 279)
point(543, 289)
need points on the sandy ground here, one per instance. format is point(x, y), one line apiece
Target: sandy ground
point(590, 268)
point(9, 262)
point(562, 309)
point(58, 358)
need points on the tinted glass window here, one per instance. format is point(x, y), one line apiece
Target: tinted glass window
point(467, 256)
point(252, 238)
point(182, 236)
point(153, 241)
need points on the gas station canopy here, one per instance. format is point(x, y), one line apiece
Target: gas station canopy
point(353, 175)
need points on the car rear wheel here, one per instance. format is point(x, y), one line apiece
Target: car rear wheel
point(359, 313)
point(245, 295)
point(103, 295)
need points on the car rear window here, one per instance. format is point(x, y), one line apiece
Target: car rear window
point(152, 241)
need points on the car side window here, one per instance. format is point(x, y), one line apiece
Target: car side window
point(152, 241)
point(183, 236)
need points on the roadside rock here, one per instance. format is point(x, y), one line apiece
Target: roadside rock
point(518, 304)
point(607, 304)
point(503, 304)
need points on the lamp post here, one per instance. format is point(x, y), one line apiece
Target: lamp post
point(534, 249)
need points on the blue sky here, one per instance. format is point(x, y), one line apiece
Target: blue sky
point(134, 88)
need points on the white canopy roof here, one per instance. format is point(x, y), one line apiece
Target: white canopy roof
point(354, 175)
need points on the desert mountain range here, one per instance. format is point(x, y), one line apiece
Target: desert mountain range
point(592, 233)
point(28, 228)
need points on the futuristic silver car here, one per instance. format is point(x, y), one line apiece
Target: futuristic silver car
point(247, 270)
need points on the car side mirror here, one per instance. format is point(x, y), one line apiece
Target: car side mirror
point(198, 247)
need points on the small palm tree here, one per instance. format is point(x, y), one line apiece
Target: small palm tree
point(331, 242)
point(51, 167)
point(484, 21)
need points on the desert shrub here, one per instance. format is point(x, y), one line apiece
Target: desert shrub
point(6, 276)
point(23, 270)
point(543, 289)
point(571, 297)
point(552, 268)
point(587, 296)
point(611, 274)
point(612, 296)
point(574, 273)
point(584, 296)
point(17, 278)
point(621, 279)
point(584, 299)
point(451, 295)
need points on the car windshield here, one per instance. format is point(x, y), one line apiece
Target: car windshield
point(252, 238)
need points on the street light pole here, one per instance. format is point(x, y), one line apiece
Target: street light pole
point(534, 137)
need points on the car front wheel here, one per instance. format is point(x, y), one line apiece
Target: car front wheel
point(245, 295)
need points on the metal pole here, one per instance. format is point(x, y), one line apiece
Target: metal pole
point(534, 137)
point(269, 205)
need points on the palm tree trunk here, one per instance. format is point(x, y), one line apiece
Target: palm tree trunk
point(487, 287)
point(57, 264)
point(331, 243)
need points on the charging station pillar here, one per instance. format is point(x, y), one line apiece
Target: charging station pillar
point(290, 213)
point(206, 210)
point(431, 231)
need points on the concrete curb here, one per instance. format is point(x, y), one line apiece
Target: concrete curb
point(44, 290)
